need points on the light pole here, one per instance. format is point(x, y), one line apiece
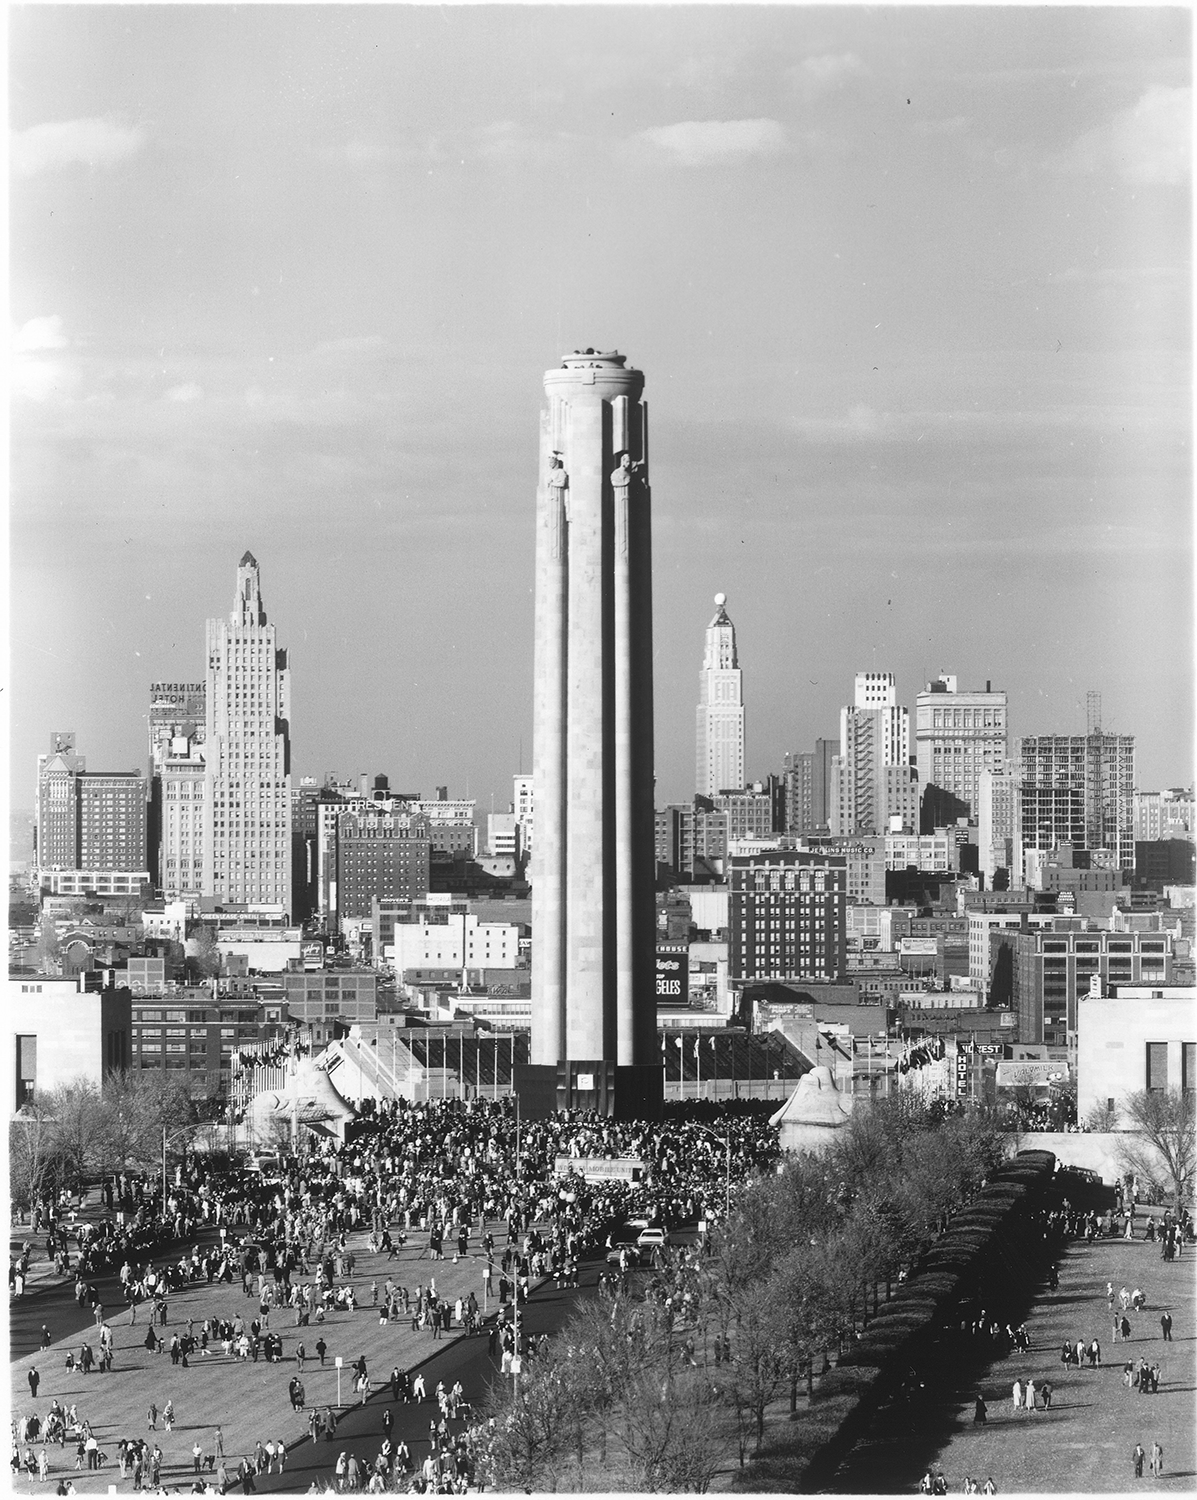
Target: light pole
point(725, 1141)
point(182, 1130)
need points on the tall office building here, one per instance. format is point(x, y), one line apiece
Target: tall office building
point(56, 818)
point(177, 725)
point(593, 900)
point(999, 827)
point(382, 854)
point(247, 813)
point(874, 788)
point(957, 736)
point(1078, 789)
point(90, 821)
point(720, 717)
point(524, 806)
point(787, 911)
point(807, 777)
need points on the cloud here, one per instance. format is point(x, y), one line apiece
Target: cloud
point(1146, 144)
point(188, 392)
point(952, 126)
point(353, 344)
point(823, 72)
point(64, 143)
point(38, 370)
point(697, 143)
point(505, 140)
point(38, 334)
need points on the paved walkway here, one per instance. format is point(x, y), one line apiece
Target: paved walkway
point(248, 1400)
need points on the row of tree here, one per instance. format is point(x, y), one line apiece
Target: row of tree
point(652, 1395)
point(82, 1131)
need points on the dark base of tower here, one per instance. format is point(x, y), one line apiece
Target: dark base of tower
point(624, 1093)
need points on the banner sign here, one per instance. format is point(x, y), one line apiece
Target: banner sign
point(600, 1168)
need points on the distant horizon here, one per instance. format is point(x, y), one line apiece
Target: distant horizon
point(910, 287)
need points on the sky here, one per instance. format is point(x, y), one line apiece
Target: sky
point(911, 289)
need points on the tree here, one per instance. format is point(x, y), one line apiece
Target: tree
point(31, 1153)
point(48, 947)
point(203, 956)
point(77, 1110)
point(136, 1107)
point(1160, 1125)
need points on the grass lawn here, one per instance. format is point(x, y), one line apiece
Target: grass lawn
point(1083, 1445)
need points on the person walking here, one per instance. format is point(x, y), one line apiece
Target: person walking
point(1166, 1326)
point(152, 1417)
point(1157, 1460)
point(1137, 1457)
point(197, 1455)
point(34, 1382)
point(1045, 1390)
point(321, 1349)
point(1017, 1396)
point(980, 1410)
point(1124, 1328)
point(219, 1441)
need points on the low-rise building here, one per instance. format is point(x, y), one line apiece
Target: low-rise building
point(1134, 1038)
point(1043, 973)
point(193, 1033)
point(62, 1032)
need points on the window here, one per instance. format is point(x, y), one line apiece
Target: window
point(1157, 1067)
point(1188, 1066)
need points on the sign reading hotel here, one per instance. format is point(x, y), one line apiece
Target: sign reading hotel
point(600, 1168)
point(673, 973)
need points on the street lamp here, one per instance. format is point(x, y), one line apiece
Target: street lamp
point(174, 1134)
point(725, 1140)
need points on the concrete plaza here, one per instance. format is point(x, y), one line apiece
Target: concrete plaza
point(249, 1400)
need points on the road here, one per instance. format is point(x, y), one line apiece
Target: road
point(360, 1430)
point(52, 1300)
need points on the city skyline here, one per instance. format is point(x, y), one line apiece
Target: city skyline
point(915, 309)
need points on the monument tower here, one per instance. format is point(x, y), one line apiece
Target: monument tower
point(594, 1042)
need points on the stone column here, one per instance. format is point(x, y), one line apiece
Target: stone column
point(548, 850)
point(588, 911)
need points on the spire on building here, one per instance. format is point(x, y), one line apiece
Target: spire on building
point(247, 607)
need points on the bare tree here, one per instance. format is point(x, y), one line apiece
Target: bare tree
point(1161, 1145)
point(31, 1153)
point(136, 1107)
point(77, 1109)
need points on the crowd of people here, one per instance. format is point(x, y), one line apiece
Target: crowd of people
point(445, 1173)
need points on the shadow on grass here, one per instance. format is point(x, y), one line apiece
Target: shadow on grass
point(903, 1440)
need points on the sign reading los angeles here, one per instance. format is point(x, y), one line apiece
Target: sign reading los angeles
point(673, 973)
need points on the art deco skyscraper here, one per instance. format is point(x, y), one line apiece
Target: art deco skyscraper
point(720, 758)
point(593, 911)
point(247, 813)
